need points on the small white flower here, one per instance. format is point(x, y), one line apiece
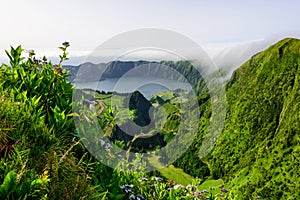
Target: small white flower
point(178, 186)
point(143, 179)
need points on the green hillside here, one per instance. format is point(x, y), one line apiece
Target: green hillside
point(258, 152)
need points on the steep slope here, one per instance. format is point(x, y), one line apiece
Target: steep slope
point(189, 161)
point(258, 151)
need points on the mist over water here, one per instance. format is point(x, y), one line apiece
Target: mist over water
point(229, 57)
point(226, 56)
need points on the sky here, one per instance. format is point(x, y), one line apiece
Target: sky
point(44, 25)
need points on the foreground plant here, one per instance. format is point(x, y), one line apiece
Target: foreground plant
point(35, 118)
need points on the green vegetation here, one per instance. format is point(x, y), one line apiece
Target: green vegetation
point(176, 174)
point(256, 156)
point(213, 185)
point(172, 173)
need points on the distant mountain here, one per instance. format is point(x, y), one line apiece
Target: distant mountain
point(181, 70)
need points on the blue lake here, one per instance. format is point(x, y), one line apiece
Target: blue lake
point(148, 86)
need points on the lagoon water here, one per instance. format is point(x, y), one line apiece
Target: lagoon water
point(148, 86)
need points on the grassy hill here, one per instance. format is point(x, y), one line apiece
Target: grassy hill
point(258, 152)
